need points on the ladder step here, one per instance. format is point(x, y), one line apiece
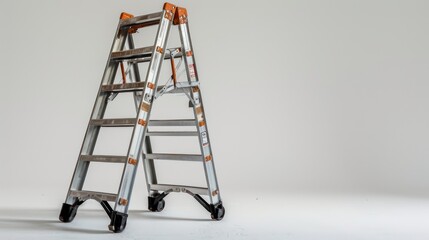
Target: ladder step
point(132, 53)
point(169, 156)
point(180, 188)
point(113, 122)
point(144, 20)
point(103, 158)
point(173, 134)
point(124, 87)
point(138, 55)
point(130, 122)
point(173, 122)
point(135, 86)
point(99, 196)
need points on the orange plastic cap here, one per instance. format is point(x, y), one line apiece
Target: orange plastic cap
point(181, 16)
point(125, 15)
point(169, 7)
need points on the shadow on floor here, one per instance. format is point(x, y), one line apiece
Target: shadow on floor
point(45, 225)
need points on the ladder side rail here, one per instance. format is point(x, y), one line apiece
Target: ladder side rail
point(198, 109)
point(148, 164)
point(140, 128)
point(98, 111)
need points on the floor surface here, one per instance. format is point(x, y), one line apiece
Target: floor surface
point(248, 217)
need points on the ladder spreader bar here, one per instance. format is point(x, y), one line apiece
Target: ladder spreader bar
point(179, 188)
point(99, 196)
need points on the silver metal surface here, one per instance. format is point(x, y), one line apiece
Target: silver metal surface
point(140, 128)
point(98, 111)
point(99, 196)
point(132, 53)
point(130, 122)
point(205, 146)
point(136, 86)
point(145, 20)
point(180, 157)
point(179, 188)
point(144, 97)
point(123, 87)
point(113, 122)
point(172, 134)
point(172, 122)
point(103, 158)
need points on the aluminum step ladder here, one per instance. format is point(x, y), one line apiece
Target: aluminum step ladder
point(145, 92)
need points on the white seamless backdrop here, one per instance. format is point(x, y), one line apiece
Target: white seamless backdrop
point(301, 96)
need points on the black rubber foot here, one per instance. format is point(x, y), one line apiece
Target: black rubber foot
point(68, 212)
point(118, 222)
point(217, 211)
point(156, 204)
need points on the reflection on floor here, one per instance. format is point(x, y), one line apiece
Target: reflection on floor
point(248, 217)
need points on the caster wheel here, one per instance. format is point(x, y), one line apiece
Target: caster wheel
point(118, 222)
point(156, 205)
point(218, 212)
point(68, 212)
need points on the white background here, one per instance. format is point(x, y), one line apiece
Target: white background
point(301, 97)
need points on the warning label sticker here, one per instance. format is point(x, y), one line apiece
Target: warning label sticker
point(192, 70)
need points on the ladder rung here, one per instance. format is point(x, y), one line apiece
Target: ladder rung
point(99, 196)
point(103, 158)
point(114, 122)
point(135, 86)
point(173, 133)
point(130, 122)
point(132, 53)
point(145, 20)
point(174, 122)
point(179, 188)
point(123, 87)
point(169, 156)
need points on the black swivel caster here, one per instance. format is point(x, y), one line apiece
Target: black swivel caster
point(68, 212)
point(217, 212)
point(156, 203)
point(118, 222)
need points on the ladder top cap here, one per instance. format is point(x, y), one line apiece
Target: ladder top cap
point(169, 7)
point(180, 16)
point(125, 15)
